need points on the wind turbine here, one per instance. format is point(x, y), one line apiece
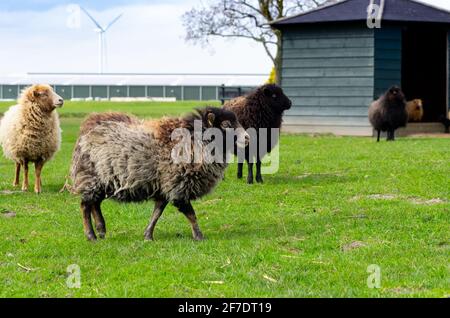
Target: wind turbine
point(102, 54)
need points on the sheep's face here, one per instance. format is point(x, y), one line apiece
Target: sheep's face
point(395, 94)
point(418, 103)
point(276, 99)
point(44, 96)
point(227, 122)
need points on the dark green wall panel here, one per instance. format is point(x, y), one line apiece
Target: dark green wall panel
point(99, 91)
point(81, 92)
point(137, 91)
point(118, 91)
point(64, 91)
point(10, 91)
point(388, 59)
point(191, 93)
point(155, 91)
point(174, 91)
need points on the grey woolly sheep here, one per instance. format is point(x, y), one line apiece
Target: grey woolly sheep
point(262, 108)
point(123, 158)
point(389, 113)
point(30, 132)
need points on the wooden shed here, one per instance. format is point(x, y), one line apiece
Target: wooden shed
point(334, 65)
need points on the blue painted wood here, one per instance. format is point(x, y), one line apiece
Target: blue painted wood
point(388, 59)
point(329, 75)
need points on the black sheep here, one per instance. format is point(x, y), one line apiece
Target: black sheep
point(446, 122)
point(389, 113)
point(262, 108)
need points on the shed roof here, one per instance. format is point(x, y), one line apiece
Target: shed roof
point(356, 10)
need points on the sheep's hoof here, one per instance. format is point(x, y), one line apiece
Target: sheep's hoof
point(198, 236)
point(250, 181)
point(24, 189)
point(101, 235)
point(37, 191)
point(259, 180)
point(91, 237)
point(148, 238)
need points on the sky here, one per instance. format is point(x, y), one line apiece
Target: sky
point(50, 36)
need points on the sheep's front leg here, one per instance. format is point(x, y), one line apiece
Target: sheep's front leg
point(17, 177)
point(259, 178)
point(25, 176)
point(187, 209)
point(86, 211)
point(157, 212)
point(379, 135)
point(37, 171)
point(100, 224)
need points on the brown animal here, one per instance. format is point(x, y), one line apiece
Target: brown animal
point(30, 132)
point(262, 108)
point(415, 110)
point(123, 158)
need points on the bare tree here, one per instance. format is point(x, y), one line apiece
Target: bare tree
point(248, 19)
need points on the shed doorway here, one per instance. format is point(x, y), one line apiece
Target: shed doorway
point(424, 69)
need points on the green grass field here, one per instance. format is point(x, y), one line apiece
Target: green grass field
point(336, 206)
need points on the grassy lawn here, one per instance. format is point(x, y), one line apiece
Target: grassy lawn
point(336, 206)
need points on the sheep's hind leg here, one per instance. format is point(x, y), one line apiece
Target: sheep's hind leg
point(258, 178)
point(250, 173)
point(379, 135)
point(157, 212)
point(25, 183)
point(86, 211)
point(391, 135)
point(37, 171)
point(240, 168)
point(17, 176)
point(100, 224)
point(187, 209)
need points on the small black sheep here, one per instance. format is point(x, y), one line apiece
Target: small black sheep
point(123, 158)
point(389, 113)
point(446, 122)
point(262, 108)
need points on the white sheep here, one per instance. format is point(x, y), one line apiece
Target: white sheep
point(30, 131)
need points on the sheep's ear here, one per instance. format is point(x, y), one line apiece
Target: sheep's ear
point(211, 117)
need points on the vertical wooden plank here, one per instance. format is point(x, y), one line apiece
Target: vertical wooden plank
point(388, 59)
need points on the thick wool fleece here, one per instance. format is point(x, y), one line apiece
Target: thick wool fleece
point(388, 113)
point(130, 160)
point(28, 131)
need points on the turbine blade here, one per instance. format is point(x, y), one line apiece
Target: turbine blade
point(92, 19)
point(113, 21)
